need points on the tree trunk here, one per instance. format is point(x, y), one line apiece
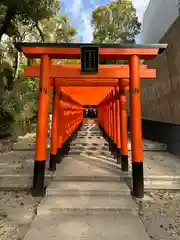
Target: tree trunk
point(17, 62)
point(11, 12)
point(40, 32)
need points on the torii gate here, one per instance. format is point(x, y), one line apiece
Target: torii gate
point(60, 80)
point(131, 52)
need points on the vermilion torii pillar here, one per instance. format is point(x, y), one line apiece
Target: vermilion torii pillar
point(42, 127)
point(54, 129)
point(123, 127)
point(118, 128)
point(58, 121)
point(136, 131)
point(131, 52)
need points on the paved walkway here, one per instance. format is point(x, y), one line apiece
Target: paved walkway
point(161, 169)
point(87, 198)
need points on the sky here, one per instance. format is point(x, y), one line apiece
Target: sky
point(79, 12)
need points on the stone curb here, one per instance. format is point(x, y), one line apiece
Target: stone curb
point(158, 182)
point(26, 146)
point(9, 181)
point(87, 193)
point(150, 183)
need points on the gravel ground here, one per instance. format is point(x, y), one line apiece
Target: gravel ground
point(161, 215)
point(6, 145)
point(22, 161)
point(17, 210)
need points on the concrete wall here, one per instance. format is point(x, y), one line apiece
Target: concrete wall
point(161, 97)
point(158, 17)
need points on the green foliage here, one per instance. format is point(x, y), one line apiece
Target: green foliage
point(6, 121)
point(26, 20)
point(6, 76)
point(71, 61)
point(114, 62)
point(18, 100)
point(24, 11)
point(115, 22)
point(57, 29)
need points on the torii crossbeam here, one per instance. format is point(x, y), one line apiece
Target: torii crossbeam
point(105, 72)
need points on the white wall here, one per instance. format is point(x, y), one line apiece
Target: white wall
point(158, 17)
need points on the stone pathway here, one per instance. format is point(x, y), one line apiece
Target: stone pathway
point(87, 199)
point(161, 169)
point(91, 161)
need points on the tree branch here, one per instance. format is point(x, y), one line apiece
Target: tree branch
point(40, 31)
point(11, 12)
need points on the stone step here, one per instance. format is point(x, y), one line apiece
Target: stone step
point(86, 132)
point(161, 185)
point(89, 141)
point(20, 181)
point(86, 203)
point(75, 152)
point(16, 155)
point(88, 137)
point(99, 154)
point(100, 166)
point(31, 146)
point(9, 168)
point(26, 146)
point(81, 144)
point(77, 147)
point(80, 165)
point(150, 182)
point(151, 146)
point(153, 182)
point(90, 178)
point(107, 162)
point(12, 165)
point(106, 156)
point(87, 188)
point(88, 144)
point(104, 145)
point(87, 226)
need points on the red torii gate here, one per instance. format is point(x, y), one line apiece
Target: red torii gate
point(56, 70)
point(130, 52)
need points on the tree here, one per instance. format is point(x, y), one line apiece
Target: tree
point(24, 11)
point(115, 22)
point(18, 94)
point(56, 29)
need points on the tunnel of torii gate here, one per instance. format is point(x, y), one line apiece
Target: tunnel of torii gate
point(75, 85)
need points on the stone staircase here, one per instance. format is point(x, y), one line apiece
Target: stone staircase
point(87, 199)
